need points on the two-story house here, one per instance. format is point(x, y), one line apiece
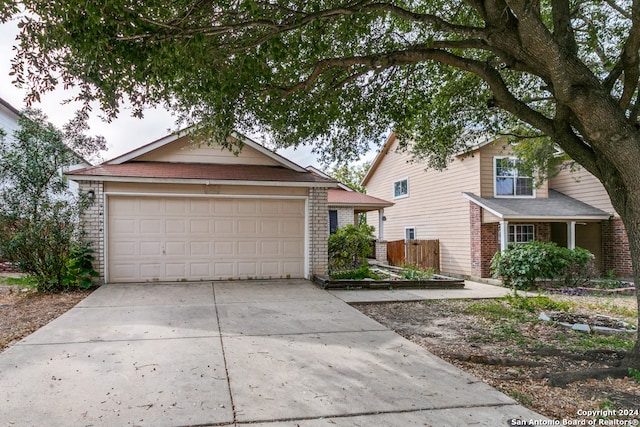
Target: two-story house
point(480, 204)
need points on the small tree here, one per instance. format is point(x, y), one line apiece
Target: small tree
point(38, 214)
point(349, 247)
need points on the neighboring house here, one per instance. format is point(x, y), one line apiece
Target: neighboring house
point(8, 119)
point(9, 116)
point(479, 204)
point(175, 211)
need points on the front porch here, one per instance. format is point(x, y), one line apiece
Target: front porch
point(495, 223)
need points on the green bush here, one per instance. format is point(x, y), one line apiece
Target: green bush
point(349, 247)
point(360, 273)
point(522, 264)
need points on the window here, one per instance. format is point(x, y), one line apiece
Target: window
point(401, 188)
point(521, 233)
point(508, 183)
point(333, 221)
point(410, 233)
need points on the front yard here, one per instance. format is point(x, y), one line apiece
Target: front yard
point(503, 343)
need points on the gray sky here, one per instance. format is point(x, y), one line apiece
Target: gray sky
point(123, 134)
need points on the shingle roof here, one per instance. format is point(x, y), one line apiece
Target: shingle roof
point(353, 198)
point(558, 206)
point(197, 171)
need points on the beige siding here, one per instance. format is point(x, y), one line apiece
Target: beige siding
point(184, 151)
point(127, 187)
point(487, 154)
point(435, 205)
point(583, 186)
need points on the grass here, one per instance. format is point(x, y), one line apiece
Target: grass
point(608, 342)
point(20, 282)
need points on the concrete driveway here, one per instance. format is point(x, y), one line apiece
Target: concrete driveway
point(281, 353)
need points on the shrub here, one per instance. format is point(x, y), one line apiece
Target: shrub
point(522, 264)
point(414, 272)
point(360, 273)
point(349, 247)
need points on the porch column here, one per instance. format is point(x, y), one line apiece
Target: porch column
point(571, 234)
point(504, 235)
point(380, 224)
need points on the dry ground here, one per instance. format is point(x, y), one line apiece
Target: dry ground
point(513, 351)
point(23, 312)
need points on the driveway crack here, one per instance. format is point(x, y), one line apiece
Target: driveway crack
point(224, 356)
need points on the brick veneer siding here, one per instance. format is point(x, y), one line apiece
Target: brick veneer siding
point(475, 224)
point(381, 250)
point(345, 215)
point(93, 225)
point(615, 248)
point(485, 241)
point(318, 230)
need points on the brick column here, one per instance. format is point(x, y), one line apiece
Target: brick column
point(318, 231)
point(93, 225)
point(616, 255)
point(475, 225)
point(381, 250)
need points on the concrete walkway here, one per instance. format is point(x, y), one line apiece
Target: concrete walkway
point(233, 353)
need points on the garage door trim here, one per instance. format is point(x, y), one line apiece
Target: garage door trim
point(208, 196)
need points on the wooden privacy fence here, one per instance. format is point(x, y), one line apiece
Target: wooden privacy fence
point(424, 253)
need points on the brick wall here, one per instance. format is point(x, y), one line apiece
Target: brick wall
point(318, 230)
point(345, 215)
point(490, 246)
point(93, 225)
point(615, 248)
point(381, 250)
point(475, 223)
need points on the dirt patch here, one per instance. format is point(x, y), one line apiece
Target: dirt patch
point(515, 352)
point(23, 312)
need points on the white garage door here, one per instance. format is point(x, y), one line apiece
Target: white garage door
point(175, 238)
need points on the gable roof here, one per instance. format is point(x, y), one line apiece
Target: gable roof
point(162, 142)
point(557, 207)
point(203, 173)
point(376, 162)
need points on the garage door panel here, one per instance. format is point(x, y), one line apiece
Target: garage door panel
point(123, 226)
point(155, 238)
point(151, 226)
point(291, 248)
point(224, 227)
point(198, 249)
point(176, 248)
point(175, 271)
point(151, 248)
point(247, 248)
point(223, 249)
point(151, 206)
point(124, 248)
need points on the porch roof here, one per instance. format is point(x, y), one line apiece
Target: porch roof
point(558, 207)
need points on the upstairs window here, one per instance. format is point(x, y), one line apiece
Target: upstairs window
point(401, 188)
point(508, 182)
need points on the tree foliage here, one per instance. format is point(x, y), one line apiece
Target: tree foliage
point(38, 214)
point(351, 175)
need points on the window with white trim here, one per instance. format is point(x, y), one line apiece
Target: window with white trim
point(521, 233)
point(401, 188)
point(507, 180)
point(410, 233)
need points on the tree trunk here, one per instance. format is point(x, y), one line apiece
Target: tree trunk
point(626, 201)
